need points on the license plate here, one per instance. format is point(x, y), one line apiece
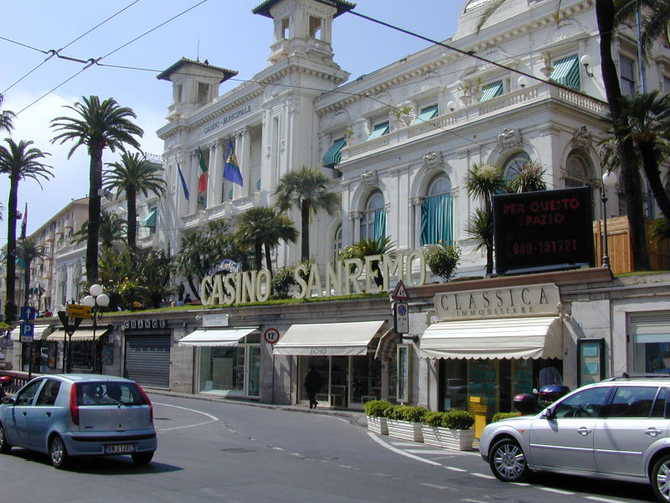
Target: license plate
point(120, 449)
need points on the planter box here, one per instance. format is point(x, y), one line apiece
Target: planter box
point(460, 440)
point(378, 425)
point(405, 430)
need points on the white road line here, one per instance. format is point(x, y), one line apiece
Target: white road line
point(603, 500)
point(398, 451)
point(213, 419)
point(428, 451)
point(483, 476)
point(434, 486)
point(454, 469)
point(557, 491)
point(403, 444)
point(521, 484)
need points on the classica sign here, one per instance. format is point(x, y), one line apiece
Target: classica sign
point(532, 300)
point(343, 277)
point(219, 123)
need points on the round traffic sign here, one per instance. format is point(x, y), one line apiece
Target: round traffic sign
point(271, 335)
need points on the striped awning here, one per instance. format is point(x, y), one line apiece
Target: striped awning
point(150, 220)
point(334, 154)
point(80, 335)
point(379, 130)
point(490, 91)
point(426, 114)
point(566, 72)
point(328, 339)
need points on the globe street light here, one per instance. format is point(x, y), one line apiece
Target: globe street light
point(96, 300)
point(609, 180)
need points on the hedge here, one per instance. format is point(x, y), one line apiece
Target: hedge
point(376, 408)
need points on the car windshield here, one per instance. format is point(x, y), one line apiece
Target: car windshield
point(109, 393)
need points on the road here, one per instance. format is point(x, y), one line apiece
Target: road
point(212, 451)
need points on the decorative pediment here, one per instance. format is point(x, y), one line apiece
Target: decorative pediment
point(433, 160)
point(582, 138)
point(509, 139)
point(370, 178)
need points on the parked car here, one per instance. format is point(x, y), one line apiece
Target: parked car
point(616, 429)
point(73, 415)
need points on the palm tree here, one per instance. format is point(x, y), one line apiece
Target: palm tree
point(97, 125)
point(263, 228)
point(307, 189)
point(529, 178)
point(134, 174)
point(6, 118)
point(112, 229)
point(19, 161)
point(27, 250)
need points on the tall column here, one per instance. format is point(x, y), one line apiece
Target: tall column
point(192, 181)
point(243, 154)
point(354, 218)
point(415, 233)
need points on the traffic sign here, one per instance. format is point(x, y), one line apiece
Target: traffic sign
point(401, 317)
point(27, 332)
point(28, 313)
point(271, 335)
point(78, 311)
point(400, 292)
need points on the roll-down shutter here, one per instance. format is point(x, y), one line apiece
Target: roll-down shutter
point(148, 360)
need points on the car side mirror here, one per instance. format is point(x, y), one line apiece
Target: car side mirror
point(549, 414)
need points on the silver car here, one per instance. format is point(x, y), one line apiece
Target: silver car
point(616, 429)
point(73, 415)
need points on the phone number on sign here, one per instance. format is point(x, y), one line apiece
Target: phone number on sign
point(544, 247)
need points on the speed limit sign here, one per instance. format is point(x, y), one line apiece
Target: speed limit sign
point(271, 335)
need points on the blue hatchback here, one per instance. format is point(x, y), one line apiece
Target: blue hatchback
point(79, 415)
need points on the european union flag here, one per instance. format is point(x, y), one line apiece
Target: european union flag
point(183, 182)
point(231, 169)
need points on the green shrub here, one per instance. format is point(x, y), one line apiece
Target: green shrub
point(499, 416)
point(282, 281)
point(414, 414)
point(458, 419)
point(442, 260)
point(376, 408)
point(395, 412)
point(434, 418)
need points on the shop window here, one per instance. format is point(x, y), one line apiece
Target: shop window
point(203, 93)
point(379, 129)
point(492, 90)
point(566, 72)
point(403, 373)
point(632, 401)
point(437, 218)
point(514, 165)
point(650, 338)
point(588, 403)
point(231, 370)
point(627, 75)
point(373, 220)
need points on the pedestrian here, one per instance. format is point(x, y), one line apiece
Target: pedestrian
point(312, 386)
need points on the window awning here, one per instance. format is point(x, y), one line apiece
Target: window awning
point(491, 91)
point(150, 220)
point(334, 154)
point(39, 332)
point(426, 114)
point(540, 337)
point(80, 335)
point(379, 130)
point(566, 72)
point(216, 337)
point(328, 339)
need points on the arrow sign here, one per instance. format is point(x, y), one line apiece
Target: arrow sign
point(400, 292)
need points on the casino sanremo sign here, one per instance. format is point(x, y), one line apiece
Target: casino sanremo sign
point(543, 231)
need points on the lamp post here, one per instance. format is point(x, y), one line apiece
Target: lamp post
point(70, 327)
point(96, 300)
point(609, 181)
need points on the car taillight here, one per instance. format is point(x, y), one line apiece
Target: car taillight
point(148, 402)
point(74, 406)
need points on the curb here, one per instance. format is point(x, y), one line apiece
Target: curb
point(354, 418)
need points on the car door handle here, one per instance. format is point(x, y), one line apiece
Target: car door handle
point(583, 431)
point(652, 432)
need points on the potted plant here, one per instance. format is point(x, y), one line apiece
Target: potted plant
point(404, 421)
point(449, 430)
point(375, 410)
point(442, 260)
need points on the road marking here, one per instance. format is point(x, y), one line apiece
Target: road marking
point(557, 491)
point(435, 486)
point(483, 476)
point(427, 451)
point(213, 419)
point(454, 469)
point(398, 451)
point(521, 484)
point(403, 444)
point(603, 500)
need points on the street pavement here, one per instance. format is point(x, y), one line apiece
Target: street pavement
point(229, 452)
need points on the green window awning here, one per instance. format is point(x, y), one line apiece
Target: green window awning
point(566, 72)
point(426, 114)
point(334, 154)
point(490, 91)
point(379, 130)
point(150, 220)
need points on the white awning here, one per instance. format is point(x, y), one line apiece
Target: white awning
point(80, 335)
point(216, 337)
point(38, 332)
point(328, 339)
point(540, 337)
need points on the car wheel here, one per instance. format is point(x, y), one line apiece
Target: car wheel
point(57, 453)
point(660, 478)
point(143, 458)
point(507, 461)
point(4, 445)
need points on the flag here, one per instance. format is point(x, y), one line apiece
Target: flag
point(231, 169)
point(183, 182)
point(201, 161)
point(24, 224)
point(202, 183)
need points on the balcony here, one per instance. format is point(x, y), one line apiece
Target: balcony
point(520, 98)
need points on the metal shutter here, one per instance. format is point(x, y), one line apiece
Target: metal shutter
point(148, 360)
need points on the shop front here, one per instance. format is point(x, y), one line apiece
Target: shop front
point(355, 361)
point(494, 344)
point(83, 349)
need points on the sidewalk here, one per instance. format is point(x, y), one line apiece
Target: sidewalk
point(354, 417)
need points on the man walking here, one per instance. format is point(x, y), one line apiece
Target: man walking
point(312, 386)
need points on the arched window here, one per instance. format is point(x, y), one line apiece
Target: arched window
point(373, 220)
point(437, 215)
point(578, 171)
point(337, 242)
point(514, 164)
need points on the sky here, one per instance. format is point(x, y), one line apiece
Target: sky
point(223, 31)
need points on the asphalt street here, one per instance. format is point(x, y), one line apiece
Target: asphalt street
point(213, 451)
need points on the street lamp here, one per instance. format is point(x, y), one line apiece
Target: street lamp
point(609, 180)
point(96, 300)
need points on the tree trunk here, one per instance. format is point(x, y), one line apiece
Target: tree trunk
point(489, 260)
point(26, 283)
point(10, 282)
point(605, 12)
point(95, 183)
point(131, 202)
point(305, 208)
point(258, 255)
point(268, 258)
point(651, 170)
